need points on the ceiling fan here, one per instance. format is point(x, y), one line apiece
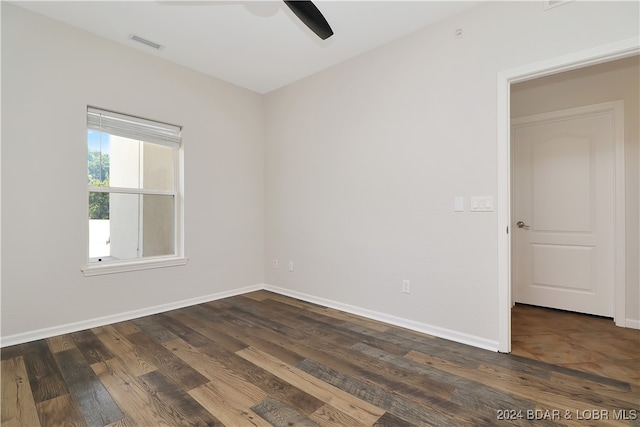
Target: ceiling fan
point(309, 14)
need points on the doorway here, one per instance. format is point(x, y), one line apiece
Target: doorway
point(506, 79)
point(564, 201)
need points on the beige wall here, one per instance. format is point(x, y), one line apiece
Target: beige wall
point(617, 80)
point(364, 160)
point(51, 72)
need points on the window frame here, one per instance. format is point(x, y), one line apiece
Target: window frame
point(151, 262)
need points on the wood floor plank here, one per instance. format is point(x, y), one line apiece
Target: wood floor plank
point(93, 400)
point(390, 420)
point(264, 338)
point(536, 389)
point(125, 422)
point(351, 362)
point(269, 383)
point(469, 393)
point(168, 363)
point(279, 414)
point(285, 348)
point(329, 312)
point(126, 328)
point(61, 343)
point(258, 295)
point(142, 408)
point(17, 406)
point(430, 411)
point(225, 408)
point(461, 354)
point(12, 351)
point(60, 411)
point(44, 375)
point(357, 408)
point(328, 416)
point(182, 331)
point(152, 326)
point(317, 326)
point(215, 371)
point(182, 405)
point(246, 315)
point(321, 327)
point(293, 351)
point(117, 344)
point(212, 330)
point(249, 330)
point(91, 347)
point(367, 369)
point(567, 380)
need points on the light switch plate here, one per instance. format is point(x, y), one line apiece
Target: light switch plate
point(482, 204)
point(458, 204)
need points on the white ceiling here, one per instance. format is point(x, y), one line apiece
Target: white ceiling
point(259, 45)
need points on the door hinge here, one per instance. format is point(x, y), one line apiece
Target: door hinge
point(507, 229)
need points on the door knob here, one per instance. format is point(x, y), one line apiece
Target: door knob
point(521, 224)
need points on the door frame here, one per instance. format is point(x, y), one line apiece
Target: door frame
point(585, 58)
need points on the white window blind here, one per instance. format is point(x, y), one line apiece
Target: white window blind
point(134, 128)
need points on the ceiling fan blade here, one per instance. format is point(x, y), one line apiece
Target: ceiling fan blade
point(311, 17)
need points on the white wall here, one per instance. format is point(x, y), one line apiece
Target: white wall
point(363, 162)
point(52, 72)
point(617, 80)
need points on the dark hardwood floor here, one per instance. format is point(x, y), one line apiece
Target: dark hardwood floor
point(263, 359)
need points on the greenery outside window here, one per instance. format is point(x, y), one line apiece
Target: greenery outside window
point(133, 173)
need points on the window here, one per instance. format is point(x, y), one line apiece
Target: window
point(134, 204)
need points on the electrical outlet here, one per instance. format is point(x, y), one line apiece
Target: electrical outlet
point(290, 265)
point(406, 287)
point(275, 263)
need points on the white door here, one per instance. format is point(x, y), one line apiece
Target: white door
point(563, 227)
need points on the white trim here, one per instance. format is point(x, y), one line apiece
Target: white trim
point(390, 319)
point(120, 317)
point(632, 323)
point(130, 190)
point(597, 55)
point(98, 268)
point(370, 314)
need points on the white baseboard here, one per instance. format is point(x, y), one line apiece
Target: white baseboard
point(393, 320)
point(632, 323)
point(120, 317)
point(370, 314)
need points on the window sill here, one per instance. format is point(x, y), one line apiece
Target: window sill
point(96, 269)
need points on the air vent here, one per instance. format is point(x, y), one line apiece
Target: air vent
point(144, 41)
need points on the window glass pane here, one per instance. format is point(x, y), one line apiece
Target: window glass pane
point(158, 221)
point(130, 226)
point(158, 167)
point(124, 162)
point(98, 158)
point(124, 225)
point(99, 248)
